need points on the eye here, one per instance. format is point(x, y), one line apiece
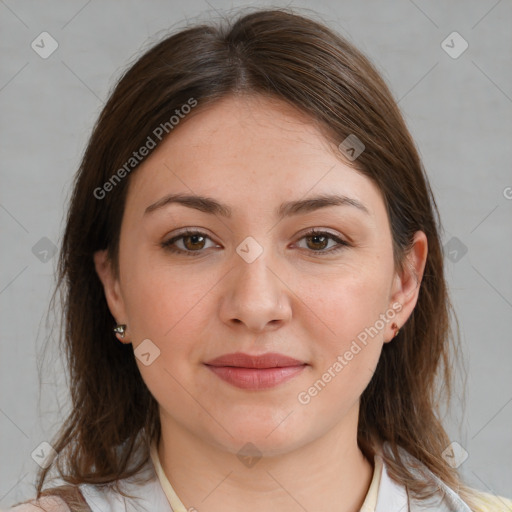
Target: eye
point(193, 242)
point(317, 241)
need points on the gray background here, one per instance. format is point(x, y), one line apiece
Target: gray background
point(458, 110)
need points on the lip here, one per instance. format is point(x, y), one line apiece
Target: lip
point(268, 360)
point(255, 372)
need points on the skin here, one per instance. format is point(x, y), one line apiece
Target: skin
point(252, 154)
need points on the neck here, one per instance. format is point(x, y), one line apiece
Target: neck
point(329, 474)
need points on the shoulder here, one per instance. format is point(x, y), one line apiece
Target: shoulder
point(46, 504)
point(492, 503)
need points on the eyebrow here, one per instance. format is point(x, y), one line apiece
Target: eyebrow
point(287, 209)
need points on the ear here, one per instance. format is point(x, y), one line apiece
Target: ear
point(406, 285)
point(111, 286)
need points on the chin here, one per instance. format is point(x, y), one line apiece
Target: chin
point(254, 435)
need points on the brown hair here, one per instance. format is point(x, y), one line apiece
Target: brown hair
point(278, 54)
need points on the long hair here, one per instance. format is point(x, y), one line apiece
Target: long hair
point(279, 54)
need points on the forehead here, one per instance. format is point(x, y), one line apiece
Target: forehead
point(250, 151)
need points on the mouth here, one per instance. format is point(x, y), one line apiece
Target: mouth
point(255, 372)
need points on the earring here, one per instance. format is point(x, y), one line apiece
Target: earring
point(120, 329)
point(397, 329)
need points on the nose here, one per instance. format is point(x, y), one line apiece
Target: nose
point(254, 294)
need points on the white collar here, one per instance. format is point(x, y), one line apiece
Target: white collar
point(392, 497)
point(397, 498)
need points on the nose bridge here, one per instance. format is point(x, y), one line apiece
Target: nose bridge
point(254, 278)
point(255, 295)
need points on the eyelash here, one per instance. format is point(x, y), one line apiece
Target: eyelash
point(168, 244)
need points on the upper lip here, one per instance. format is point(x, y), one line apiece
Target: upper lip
point(269, 360)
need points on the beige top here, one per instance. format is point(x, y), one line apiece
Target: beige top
point(369, 503)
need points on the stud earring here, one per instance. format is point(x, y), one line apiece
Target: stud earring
point(120, 329)
point(397, 329)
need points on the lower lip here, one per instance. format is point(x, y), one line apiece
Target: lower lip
point(253, 378)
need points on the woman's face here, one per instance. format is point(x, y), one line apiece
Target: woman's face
point(253, 279)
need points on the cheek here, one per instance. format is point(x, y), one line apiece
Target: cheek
point(348, 302)
point(346, 354)
point(167, 307)
point(348, 327)
point(162, 298)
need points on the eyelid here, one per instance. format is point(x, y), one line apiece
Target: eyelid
point(320, 231)
point(190, 231)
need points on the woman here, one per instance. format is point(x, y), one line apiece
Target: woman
point(255, 309)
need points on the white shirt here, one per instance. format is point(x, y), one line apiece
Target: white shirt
point(153, 492)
